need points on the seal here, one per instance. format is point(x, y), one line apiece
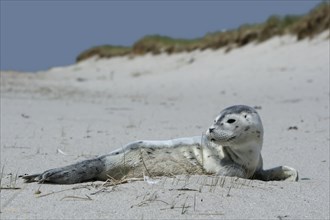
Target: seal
point(231, 146)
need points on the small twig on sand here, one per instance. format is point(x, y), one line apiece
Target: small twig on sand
point(77, 197)
point(184, 207)
point(229, 191)
point(144, 164)
point(195, 202)
point(184, 189)
point(114, 182)
point(73, 188)
point(9, 187)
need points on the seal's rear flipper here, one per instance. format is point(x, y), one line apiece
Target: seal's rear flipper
point(31, 178)
point(76, 173)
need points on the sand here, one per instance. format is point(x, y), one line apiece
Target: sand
point(67, 114)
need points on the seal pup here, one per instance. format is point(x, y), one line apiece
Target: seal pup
point(231, 146)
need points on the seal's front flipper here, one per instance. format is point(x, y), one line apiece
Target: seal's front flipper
point(75, 173)
point(278, 173)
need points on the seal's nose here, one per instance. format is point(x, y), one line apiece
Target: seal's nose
point(211, 129)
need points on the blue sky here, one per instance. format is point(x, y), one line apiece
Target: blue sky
point(37, 35)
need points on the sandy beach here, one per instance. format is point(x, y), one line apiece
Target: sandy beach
point(67, 114)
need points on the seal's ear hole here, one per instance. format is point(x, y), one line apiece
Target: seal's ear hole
point(245, 116)
point(230, 121)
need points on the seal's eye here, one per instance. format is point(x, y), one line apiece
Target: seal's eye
point(230, 121)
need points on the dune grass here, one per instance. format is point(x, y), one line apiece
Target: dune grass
point(158, 44)
point(302, 26)
point(106, 51)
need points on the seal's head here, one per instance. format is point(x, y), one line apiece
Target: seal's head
point(236, 125)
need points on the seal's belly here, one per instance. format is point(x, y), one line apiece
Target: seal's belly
point(157, 162)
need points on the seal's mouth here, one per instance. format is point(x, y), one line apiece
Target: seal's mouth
point(212, 139)
point(231, 138)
